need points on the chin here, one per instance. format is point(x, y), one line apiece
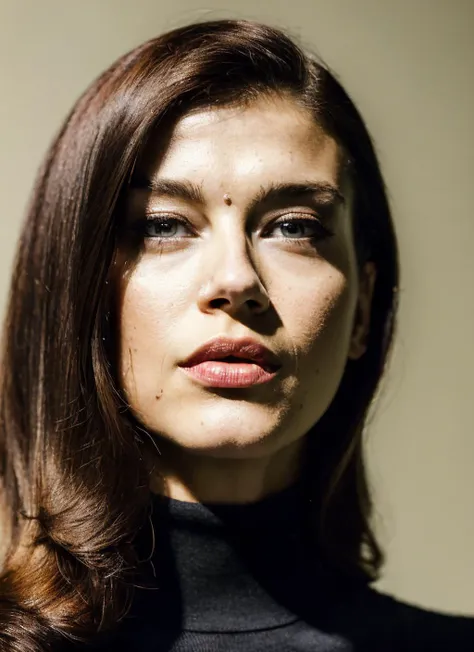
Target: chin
point(229, 444)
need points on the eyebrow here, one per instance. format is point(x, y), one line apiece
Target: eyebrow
point(325, 193)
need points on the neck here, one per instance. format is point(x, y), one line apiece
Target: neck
point(193, 477)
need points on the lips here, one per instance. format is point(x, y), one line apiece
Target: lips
point(234, 350)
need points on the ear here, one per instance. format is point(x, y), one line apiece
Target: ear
point(361, 328)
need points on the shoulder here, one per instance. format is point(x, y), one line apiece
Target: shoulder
point(412, 627)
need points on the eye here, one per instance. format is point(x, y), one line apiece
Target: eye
point(294, 228)
point(164, 227)
point(169, 227)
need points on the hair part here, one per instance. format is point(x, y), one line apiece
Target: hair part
point(75, 466)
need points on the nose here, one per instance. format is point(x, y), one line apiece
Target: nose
point(232, 283)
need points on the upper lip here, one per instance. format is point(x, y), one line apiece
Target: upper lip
point(222, 347)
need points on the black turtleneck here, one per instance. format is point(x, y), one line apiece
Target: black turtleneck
point(248, 578)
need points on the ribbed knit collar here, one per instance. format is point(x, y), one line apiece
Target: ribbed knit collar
point(233, 567)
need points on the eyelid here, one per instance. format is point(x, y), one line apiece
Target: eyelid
point(163, 215)
point(295, 216)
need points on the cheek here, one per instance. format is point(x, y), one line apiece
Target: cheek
point(149, 305)
point(320, 313)
point(320, 334)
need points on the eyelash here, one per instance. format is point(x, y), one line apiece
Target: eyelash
point(322, 231)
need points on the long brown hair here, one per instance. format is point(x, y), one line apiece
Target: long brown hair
point(74, 465)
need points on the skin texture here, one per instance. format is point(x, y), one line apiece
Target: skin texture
point(231, 273)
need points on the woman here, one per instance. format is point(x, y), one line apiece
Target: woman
point(201, 312)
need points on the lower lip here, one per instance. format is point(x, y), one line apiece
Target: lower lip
point(229, 374)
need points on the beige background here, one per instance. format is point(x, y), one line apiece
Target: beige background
point(409, 66)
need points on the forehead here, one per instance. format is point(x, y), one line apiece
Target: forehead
point(262, 117)
point(269, 137)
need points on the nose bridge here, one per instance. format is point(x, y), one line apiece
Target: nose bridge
point(230, 245)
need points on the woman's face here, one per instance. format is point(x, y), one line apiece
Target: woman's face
point(228, 263)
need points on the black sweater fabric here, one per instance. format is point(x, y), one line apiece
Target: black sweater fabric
point(247, 578)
